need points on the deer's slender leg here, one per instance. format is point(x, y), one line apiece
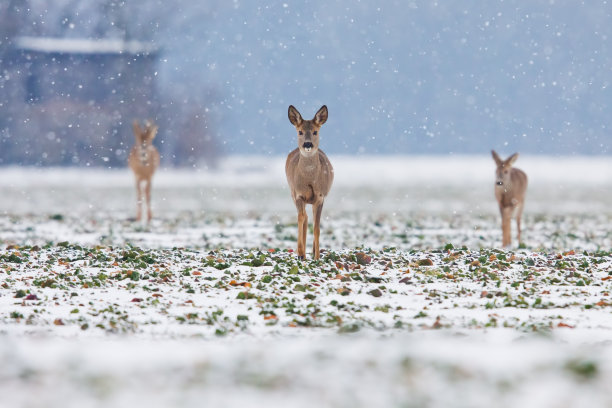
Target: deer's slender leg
point(148, 197)
point(302, 227)
point(317, 209)
point(304, 232)
point(519, 214)
point(138, 200)
point(506, 218)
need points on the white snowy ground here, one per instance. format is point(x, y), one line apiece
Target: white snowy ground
point(412, 305)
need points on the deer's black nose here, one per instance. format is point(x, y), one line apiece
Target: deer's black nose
point(307, 145)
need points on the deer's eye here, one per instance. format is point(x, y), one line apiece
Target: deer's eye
point(300, 132)
point(314, 133)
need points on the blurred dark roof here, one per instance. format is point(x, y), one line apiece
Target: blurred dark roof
point(83, 46)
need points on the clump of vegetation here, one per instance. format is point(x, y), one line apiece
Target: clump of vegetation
point(344, 291)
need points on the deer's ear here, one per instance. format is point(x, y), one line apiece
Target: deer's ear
point(136, 127)
point(294, 116)
point(510, 160)
point(496, 157)
point(153, 131)
point(321, 116)
point(138, 131)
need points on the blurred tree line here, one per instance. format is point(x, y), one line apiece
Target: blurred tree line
point(74, 77)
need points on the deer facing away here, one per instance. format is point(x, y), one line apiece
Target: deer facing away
point(144, 160)
point(510, 188)
point(309, 174)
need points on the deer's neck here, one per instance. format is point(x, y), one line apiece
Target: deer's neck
point(515, 176)
point(505, 190)
point(309, 165)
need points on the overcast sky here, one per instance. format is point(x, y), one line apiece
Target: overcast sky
point(397, 76)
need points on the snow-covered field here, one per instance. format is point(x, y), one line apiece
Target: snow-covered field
point(412, 304)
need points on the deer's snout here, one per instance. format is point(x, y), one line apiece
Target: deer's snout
point(308, 146)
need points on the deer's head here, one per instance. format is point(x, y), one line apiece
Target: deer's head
point(144, 135)
point(308, 130)
point(504, 167)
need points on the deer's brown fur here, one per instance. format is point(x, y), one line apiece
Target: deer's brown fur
point(510, 189)
point(309, 174)
point(144, 160)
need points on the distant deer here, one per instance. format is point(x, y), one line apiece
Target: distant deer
point(144, 160)
point(309, 174)
point(510, 188)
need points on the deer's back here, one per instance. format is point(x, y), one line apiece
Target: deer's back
point(519, 181)
point(304, 182)
point(143, 168)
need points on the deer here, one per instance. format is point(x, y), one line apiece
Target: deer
point(144, 160)
point(510, 188)
point(310, 175)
